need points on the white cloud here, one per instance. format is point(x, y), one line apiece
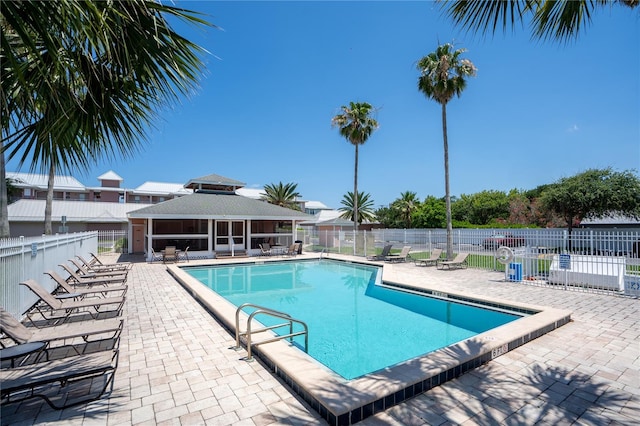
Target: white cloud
point(573, 128)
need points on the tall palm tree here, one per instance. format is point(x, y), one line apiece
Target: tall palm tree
point(407, 204)
point(83, 80)
point(442, 75)
point(355, 125)
point(364, 210)
point(283, 195)
point(552, 19)
point(4, 198)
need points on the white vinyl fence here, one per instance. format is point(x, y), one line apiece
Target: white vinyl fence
point(28, 258)
point(586, 259)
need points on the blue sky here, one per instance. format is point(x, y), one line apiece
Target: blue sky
point(279, 71)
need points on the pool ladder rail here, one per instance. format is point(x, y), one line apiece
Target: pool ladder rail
point(261, 310)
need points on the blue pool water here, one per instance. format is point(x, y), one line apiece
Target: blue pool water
point(355, 326)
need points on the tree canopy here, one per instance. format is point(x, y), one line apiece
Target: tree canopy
point(365, 210)
point(83, 80)
point(282, 194)
point(560, 20)
point(594, 193)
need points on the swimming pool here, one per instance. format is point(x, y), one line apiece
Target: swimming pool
point(356, 325)
point(340, 401)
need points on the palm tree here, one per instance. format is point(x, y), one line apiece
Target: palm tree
point(552, 19)
point(83, 80)
point(4, 199)
point(283, 195)
point(406, 204)
point(356, 126)
point(364, 209)
point(442, 75)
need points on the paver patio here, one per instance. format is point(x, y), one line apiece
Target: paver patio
point(177, 368)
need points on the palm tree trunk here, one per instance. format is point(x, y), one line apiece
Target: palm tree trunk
point(4, 199)
point(48, 207)
point(355, 195)
point(447, 192)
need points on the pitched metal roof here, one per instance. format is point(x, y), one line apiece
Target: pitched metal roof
point(255, 193)
point(160, 188)
point(610, 219)
point(323, 216)
point(316, 205)
point(217, 206)
point(110, 175)
point(75, 211)
point(33, 180)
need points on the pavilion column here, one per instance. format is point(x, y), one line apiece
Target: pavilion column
point(149, 238)
point(247, 240)
point(210, 237)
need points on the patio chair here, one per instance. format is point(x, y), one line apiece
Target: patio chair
point(169, 253)
point(35, 380)
point(95, 260)
point(386, 250)
point(155, 256)
point(460, 261)
point(401, 257)
point(59, 311)
point(94, 266)
point(77, 279)
point(184, 255)
point(432, 260)
point(265, 249)
point(84, 272)
point(292, 250)
point(60, 335)
point(102, 268)
point(71, 291)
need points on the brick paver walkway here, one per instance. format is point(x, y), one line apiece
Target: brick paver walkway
point(176, 367)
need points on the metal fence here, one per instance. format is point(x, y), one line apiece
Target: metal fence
point(585, 260)
point(113, 242)
point(28, 258)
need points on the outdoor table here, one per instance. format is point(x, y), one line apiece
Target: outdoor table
point(278, 250)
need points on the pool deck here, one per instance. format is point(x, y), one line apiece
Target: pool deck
point(177, 368)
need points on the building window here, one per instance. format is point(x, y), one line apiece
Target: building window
point(81, 196)
point(27, 192)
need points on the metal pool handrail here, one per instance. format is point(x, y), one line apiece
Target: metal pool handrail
point(273, 313)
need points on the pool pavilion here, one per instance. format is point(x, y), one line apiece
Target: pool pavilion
point(213, 221)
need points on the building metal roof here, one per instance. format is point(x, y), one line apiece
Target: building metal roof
point(217, 206)
point(39, 181)
point(610, 219)
point(323, 216)
point(255, 193)
point(75, 211)
point(160, 188)
point(110, 175)
point(316, 205)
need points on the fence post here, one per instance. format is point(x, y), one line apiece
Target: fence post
point(354, 236)
point(364, 244)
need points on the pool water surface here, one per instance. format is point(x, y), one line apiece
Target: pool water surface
point(356, 324)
